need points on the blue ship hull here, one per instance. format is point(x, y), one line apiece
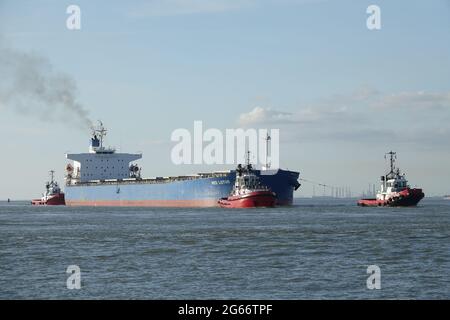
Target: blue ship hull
point(196, 191)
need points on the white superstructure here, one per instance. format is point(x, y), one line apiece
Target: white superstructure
point(393, 182)
point(101, 163)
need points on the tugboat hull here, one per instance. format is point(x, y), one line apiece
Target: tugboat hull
point(251, 200)
point(56, 200)
point(405, 198)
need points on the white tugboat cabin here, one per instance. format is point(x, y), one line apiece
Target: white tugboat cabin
point(393, 182)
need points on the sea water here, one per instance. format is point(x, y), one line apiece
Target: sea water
point(314, 250)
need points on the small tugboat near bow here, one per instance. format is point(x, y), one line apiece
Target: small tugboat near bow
point(395, 191)
point(53, 195)
point(248, 191)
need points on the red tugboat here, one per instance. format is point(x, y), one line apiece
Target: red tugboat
point(248, 192)
point(53, 195)
point(395, 191)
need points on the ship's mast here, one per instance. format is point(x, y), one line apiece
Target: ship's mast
point(392, 158)
point(248, 158)
point(268, 138)
point(100, 131)
point(52, 175)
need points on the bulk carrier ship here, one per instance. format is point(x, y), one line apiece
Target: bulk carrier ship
point(103, 177)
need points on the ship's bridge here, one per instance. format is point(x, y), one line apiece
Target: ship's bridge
point(397, 183)
point(102, 166)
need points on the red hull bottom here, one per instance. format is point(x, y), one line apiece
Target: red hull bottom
point(406, 198)
point(207, 203)
point(252, 200)
point(57, 200)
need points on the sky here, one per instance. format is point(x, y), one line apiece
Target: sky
point(342, 95)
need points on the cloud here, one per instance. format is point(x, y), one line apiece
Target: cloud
point(362, 116)
point(415, 100)
point(338, 107)
point(261, 115)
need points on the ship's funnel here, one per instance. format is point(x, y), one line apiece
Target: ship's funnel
point(95, 142)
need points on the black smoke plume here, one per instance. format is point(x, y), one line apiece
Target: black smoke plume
point(30, 86)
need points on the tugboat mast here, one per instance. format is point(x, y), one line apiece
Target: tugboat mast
point(248, 159)
point(52, 175)
point(392, 158)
